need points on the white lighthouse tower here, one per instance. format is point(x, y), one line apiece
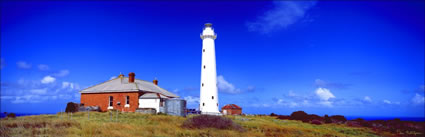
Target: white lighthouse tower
point(208, 103)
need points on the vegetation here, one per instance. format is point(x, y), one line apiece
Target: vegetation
point(209, 121)
point(396, 126)
point(134, 124)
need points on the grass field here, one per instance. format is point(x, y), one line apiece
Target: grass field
point(134, 124)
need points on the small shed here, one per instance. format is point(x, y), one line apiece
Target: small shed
point(176, 107)
point(152, 101)
point(231, 109)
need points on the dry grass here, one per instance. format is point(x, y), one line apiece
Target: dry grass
point(134, 124)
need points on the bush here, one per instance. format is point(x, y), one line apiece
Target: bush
point(72, 107)
point(338, 119)
point(363, 122)
point(316, 122)
point(327, 119)
point(284, 117)
point(353, 123)
point(299, 115)
point(11, 115)
point(312, 117)
point(210, 121)
point(273, 114)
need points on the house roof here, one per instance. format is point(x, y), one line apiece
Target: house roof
point(231, 106)
point(150, 95)
point(122, 85)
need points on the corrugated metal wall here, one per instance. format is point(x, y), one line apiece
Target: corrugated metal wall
point(176, 107)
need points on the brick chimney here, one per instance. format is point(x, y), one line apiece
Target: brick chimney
point(121, 75)
point(155, 81)
point(131, 76)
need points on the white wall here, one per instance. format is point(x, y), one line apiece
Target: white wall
point(149, 103)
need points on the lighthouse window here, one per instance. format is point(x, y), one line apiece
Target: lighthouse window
point(203, 50)
point(202, 84)
point(203, 104)
point(212, 97)
point(217, 104)
point(204, 66)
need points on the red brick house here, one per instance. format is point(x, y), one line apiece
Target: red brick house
point(231, 109)
point(125, 94)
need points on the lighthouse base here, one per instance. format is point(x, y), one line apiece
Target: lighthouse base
point(211, 113)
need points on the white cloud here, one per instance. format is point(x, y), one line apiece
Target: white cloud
point(280, 101)
point(192, 102)
point(176, 90)
point(284, 14)
point(65, 84)
point(324, 84)
point(326, 103)
point(387, 102)
point(23, 65)
point(61, 73)
point(113, 77)
point(48, 79)
point(324, 96)
point(293, 104)
point(6, 97)
point(225, 86)
point(65, 96)
point(70, 86)
point(320, 83)
point(35, 91)
point(43, 67)
point(29, 99)
point(306, 102)
point(39, 91)
point(261, 105)
point(292, 94)
point(367, 99)
point(418, 99)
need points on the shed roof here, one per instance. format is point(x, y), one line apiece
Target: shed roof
point(152, 96)
point(122, 85)
point(231, 106)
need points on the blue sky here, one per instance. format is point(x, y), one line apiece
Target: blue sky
point(323, 57)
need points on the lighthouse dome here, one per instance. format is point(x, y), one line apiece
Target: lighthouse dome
point(208, 29)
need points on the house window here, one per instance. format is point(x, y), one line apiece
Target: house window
point(203, 104)
point(202, 84)
point(111, 101)
point(127, 100)
point(203, 50)
point(212, 97)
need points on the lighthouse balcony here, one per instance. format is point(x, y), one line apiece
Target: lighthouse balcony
point(208, 36)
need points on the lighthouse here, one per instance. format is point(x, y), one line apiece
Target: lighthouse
point(208, 103)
